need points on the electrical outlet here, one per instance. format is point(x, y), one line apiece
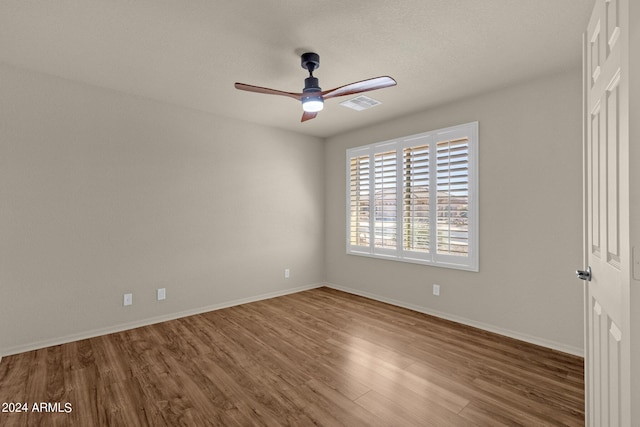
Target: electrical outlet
point(436, 290)
point(286, 273)
point(162, 294)
point(128, 299)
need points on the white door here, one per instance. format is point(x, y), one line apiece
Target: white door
point(609, 209)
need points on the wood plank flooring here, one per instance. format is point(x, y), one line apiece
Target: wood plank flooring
point(319, 357)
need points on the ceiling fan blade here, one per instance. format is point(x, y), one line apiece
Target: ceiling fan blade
point(358, 87)
point(267, 91)
point(308, 116)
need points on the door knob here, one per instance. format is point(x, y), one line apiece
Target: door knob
point(584, 274)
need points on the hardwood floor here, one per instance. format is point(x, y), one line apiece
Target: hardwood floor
point(320, 357)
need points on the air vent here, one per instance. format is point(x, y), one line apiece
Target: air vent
point(360, 103)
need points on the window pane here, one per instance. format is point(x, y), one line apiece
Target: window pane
point(415, 199)
point(359, 201)
point(385, 226)
point(453, 197)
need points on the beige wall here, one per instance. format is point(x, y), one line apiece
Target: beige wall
point(530, 216)
point(103, 193)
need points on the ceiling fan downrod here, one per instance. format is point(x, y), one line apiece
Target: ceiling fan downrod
point(310, 61)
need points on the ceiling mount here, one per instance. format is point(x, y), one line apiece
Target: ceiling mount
point(310, 61)
point(312, 97)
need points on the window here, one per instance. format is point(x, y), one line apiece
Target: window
point(415, 199)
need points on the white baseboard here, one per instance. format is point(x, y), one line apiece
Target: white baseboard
point(150, 321)
point(576, 351)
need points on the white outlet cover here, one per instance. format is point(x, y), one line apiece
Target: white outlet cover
point(162, 294)
point(128, 299)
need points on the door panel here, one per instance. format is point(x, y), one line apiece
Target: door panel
point(607, 246)
point(613, 207)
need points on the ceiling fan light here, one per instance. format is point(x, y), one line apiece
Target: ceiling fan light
point(312, 104)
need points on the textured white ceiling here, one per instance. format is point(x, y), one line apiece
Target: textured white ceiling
point(190, 52)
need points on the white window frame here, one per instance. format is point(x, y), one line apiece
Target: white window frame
point(470, 262)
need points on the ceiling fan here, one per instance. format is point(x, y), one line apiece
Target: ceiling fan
point(312, 97)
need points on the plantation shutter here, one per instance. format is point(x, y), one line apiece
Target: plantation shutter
point(385, 225)
point(452, 202)
point(359, 194)
point(415, 199)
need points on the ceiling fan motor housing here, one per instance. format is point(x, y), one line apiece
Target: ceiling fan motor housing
point(311, 85)
point(311, 95)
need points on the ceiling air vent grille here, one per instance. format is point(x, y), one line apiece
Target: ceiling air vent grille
point(360, 103)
